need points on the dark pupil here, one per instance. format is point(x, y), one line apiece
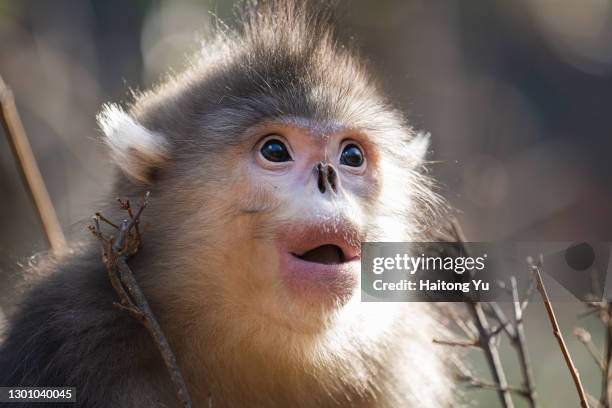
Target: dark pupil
point(352, 156)
point(275, 151)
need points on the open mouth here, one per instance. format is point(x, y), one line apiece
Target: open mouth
point(320, 259)
point(327, 254)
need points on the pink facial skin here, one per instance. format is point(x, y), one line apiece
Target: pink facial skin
point(319, 281)
point(319, 194)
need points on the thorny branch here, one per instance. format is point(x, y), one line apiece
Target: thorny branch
point(116, 250)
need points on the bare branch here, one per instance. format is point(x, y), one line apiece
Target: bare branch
point(605, 385)
point(530, 291)
point(484, 335)
point(466, 377)
point(593, 401)
point(26, 162)
point(557, 332)
point(594, 310)
point(467, 329)
point(521, 345)
point(491, 353)
point(106, 220)
point(150, 322)
point(498, 314)
point(116, 250)
point(476, 383)
point(585, 338)
point(457, 343)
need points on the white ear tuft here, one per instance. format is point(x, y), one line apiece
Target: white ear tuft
point(419, 145)
point(135, 149)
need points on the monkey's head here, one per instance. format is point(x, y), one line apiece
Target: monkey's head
point(269, 162)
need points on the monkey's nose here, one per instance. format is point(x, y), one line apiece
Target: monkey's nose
point(327, 178)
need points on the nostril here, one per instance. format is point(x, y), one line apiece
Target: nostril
point(332, 178)
point(327, 178)
point(320, 178)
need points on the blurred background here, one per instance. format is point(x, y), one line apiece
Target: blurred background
point(516, 94)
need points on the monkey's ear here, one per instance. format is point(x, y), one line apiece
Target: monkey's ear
point(135, 149)
point(419, 145)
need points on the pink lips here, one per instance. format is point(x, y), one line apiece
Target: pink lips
point(313, 278)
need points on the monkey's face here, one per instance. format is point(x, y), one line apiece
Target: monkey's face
point(301, 194)
point(268, 222)
point(270, 226)
point(319, 179)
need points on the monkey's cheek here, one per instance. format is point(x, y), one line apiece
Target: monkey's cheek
point(317, 283)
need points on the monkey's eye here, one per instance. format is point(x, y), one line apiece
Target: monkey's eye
point(351, 156)
point(275, 151)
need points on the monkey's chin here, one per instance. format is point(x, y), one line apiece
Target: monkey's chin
point(319, 284)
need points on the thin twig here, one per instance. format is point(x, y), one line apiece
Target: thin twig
point(457, 343)
point(466, 377)
point(528, 295)
point(593, 401)
point(605, 385)
point(558, 335)
point(116, 250)
point(491, 353)
point(151, 324)
point(588, 313)
point(467, 330)
point(475, 383)
point(496, 312)
point(106, 220)
point(585, 338)
point(521, 345)
point(484, 333)
point(28, 168)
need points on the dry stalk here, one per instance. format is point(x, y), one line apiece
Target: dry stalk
point(479, 332)
point(466, 377)
point(606, 313)
point(485, 337)
point(585, 338)
point(520, 343)
point(491, 351)
point(116, 250)
point(28, 168)
point(557, 332)
point(603, 309)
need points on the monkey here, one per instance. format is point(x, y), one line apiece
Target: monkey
point(269, 160)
